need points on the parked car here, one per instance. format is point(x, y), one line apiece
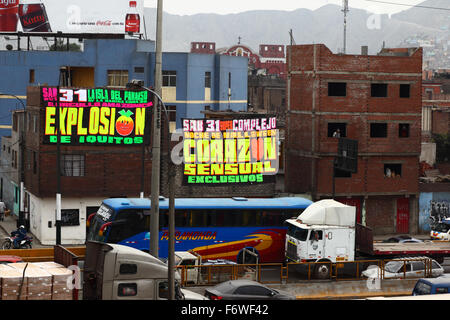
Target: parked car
point(245, 290)
point(431, 286)
point(10, 259)
point(404, 267)
point(402, 239)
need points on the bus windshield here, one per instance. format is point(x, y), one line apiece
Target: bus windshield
point(297, 232)
point(102, 216)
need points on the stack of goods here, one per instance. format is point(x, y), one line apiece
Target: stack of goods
point(12, 283)
point(41, 281)
point(61, 279)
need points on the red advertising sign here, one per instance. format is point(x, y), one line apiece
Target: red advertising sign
point(81, 16)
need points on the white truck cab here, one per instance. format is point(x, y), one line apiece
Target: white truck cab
point(324, 232)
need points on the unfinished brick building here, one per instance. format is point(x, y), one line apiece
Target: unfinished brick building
point(374, 99)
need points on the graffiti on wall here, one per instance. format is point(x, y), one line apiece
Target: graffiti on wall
point(439, 210)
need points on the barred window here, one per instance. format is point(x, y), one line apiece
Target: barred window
point(72, 165)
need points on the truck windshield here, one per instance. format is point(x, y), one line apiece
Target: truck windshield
point(297, 232)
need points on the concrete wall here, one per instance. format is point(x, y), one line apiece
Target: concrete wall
point(42, 211)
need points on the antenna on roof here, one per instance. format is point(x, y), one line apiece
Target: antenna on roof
point(345, 10)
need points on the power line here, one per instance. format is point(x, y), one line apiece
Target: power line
point(409, 5)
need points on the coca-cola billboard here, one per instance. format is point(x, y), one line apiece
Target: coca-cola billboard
point(80, 16)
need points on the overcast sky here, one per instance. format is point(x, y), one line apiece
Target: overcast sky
point(183, 7)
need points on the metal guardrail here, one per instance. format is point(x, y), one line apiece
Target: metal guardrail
point(278, 273)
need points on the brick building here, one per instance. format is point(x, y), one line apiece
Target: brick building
point(375, 100)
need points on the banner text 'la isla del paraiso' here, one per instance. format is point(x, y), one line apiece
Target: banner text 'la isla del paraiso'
point(97, 116)
point(220, 152)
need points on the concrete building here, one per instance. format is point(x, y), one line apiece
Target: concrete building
point(374, 99)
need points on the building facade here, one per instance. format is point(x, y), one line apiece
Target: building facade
point(375, 100)
point(192, 83)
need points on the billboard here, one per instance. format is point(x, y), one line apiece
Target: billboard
point(81, 16)
point(97, 116)
point(224, 152)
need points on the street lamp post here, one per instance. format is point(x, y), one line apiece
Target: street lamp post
point(156, 144)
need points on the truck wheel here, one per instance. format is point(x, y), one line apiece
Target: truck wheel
point(322, 271)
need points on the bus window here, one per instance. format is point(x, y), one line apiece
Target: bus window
point(229, 219)
point(134, 222)
point(163, 219)
point(182, 218)
point(198, 219)
point(249, 218)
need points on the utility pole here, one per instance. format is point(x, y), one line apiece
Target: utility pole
point(345, 10)
point(156, 144)
point(58, 172)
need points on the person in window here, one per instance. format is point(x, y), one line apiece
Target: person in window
point(388, 172)
point(337, 134)
point(404, 131)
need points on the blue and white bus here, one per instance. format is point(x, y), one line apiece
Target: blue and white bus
point(215, 228)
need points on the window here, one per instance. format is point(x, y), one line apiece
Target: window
point(127, 289)
point(72, 165)
point(207, 79)
point(139, 69)
point(337, 89)
point(316, 235)
point(117, 78)
point(34, 162)
point(337, 130)
point(405, 90)
point(392, 170)
point(169, 78)
point(31, 76)
point(127, 224)
point(338, 173)
point(403, 130)
point(172, 113)
point(15, 120)
point(253, 291)
point(379, 90)
point(378, 130)
point(418, 265)
point(128, 268)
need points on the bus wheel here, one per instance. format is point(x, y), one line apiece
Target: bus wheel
point(248, 255)
point(322, 270)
